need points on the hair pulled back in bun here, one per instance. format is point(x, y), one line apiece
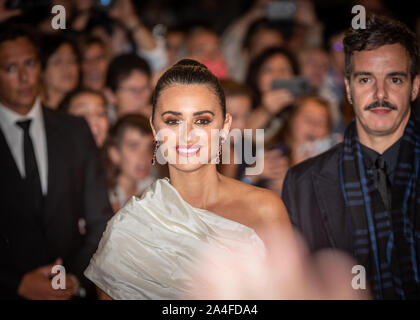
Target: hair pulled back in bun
point(189, 72)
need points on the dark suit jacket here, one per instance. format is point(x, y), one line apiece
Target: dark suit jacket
point(76, 190)
point(416, 108)
point(314, 200)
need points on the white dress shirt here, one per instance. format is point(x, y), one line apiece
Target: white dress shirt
point(14, 138)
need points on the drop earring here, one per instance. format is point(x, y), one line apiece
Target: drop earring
point(222, 141)
point(155, 142)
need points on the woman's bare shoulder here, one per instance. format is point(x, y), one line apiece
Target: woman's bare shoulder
point(252, 192)
point(263, 202)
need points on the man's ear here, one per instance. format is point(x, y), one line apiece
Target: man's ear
point(348, 90)
point(110, 96)
point(415, 89)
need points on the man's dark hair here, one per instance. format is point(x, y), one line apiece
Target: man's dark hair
point(381, 31)
point(122, 66)
point(10, 31)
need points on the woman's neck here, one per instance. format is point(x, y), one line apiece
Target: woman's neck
point(199, 188)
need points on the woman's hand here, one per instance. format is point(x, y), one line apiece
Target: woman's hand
point(276, 100)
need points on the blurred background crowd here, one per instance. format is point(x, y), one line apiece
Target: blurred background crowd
point(281, 64)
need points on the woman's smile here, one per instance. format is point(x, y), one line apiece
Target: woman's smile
point(187, 151)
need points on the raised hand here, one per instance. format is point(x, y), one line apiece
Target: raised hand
point(276, 100)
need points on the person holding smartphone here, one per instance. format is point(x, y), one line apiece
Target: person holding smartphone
point(274, 63)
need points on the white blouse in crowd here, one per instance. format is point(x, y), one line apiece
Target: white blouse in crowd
point(151, 247)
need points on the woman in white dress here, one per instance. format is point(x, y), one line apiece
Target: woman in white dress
point(151, 247)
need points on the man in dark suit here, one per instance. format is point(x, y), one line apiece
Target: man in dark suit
point(53, 196)
point(363, 195)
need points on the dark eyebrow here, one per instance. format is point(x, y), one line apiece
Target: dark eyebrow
point(199, 113)
point(171, 112)
point(180, 114)
point(391, 74)
point(362, 73)
point(398, 73)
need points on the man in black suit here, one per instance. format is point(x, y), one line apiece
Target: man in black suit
point(363, 195)
point(53, 196)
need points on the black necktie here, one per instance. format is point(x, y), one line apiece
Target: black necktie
point(382, 180)
point(32, 178)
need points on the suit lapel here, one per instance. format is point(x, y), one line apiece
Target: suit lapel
point(8, 166)
point(333, 212)
point(10, 180)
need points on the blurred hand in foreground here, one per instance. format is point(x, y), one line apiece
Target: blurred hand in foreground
point(288, 272)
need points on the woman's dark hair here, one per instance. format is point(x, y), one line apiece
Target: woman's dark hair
point(189, 72)
point(51, 43)
point(381, 31)
point(65, 103)
point(122, 66)
point(115, 136)
point(257, 63)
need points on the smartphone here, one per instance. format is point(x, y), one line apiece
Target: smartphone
point(281, 10)
point(297, 86)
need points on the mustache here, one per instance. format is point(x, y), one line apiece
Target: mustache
point(382, 104)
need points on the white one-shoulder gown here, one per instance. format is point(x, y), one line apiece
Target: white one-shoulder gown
point(151, 247)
